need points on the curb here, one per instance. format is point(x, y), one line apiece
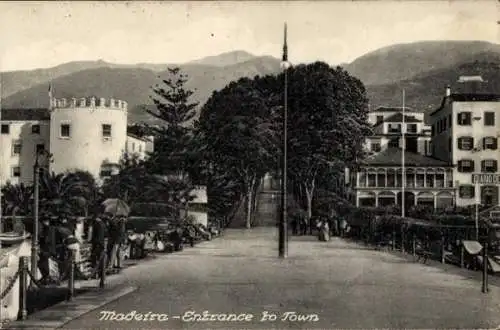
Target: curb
point(58, 315)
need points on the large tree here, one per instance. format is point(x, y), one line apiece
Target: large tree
point(173, 138)
point(327, 123)
point(238, 131)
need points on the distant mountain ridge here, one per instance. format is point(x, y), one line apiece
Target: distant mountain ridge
point(133, 84)
point(404, 61)
point(422, 68)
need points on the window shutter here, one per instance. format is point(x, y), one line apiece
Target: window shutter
point(483, 165)
point(495, 163)
point(484, 143)
point(495, 144)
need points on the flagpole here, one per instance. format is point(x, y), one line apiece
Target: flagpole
point(403, 175)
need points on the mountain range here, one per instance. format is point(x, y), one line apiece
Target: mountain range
point(422, 68)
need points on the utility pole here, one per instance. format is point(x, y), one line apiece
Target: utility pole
point(282, 247)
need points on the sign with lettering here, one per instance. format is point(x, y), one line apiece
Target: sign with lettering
point(486, 178)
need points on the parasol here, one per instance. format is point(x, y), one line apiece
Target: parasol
point(116, 207)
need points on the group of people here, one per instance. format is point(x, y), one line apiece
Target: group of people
point(107, 235)
point(327, 226)
point(57, 239)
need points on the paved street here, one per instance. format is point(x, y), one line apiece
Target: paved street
point(337, 284)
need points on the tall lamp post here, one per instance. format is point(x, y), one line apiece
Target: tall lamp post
point(283, 223)
point(36, 183)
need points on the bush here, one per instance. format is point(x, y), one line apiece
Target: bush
point(151, 210)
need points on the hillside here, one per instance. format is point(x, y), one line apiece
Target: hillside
point(404, 61)
point(425, 92)
point(134, 84)
point(16, 81)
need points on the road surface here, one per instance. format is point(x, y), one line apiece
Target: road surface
point(331, 285)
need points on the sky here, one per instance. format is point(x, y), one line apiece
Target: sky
point(45, 34)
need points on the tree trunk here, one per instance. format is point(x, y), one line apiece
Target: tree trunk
point(249, 207)
point(309, 196)
point(255, 199)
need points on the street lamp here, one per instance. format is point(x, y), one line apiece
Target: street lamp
point(285, 65)
point(36, 181)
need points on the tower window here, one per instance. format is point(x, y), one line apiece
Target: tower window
point(106, 131)
point(65, 130)
point(16, 171)
point(16, 148)
point(5, 128)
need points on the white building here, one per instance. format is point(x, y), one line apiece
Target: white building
point(87, 134)
point(444, 150)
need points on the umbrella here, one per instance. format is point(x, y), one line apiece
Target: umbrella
point(116, 207)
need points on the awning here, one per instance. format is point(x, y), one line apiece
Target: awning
point(472, 247)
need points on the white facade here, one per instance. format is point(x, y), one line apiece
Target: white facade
point(466, 133)
point(86, 134)
point(19, 141)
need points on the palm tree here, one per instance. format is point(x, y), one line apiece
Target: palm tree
point(18, 201)
point(18, 198)
point(63, 193)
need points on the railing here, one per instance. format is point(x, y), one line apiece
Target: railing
point(24, 273)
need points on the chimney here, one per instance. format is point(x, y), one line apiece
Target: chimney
point(448, 91)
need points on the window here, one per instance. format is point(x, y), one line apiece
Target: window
point(465, 143)
point(490, 143)
point(106, 131)
point(449, 120)
point(16, 148)
point(466, 166)
point(16, 171)
point(394, 143)
point(375, 146)
point(5, 128)
point(464, 118)
point(433, 130)
point(489, 118)
point(411, 128)
point(380, 119)
point(35, 129)
point(466, 191)
point(394, 128)
point(426, 147)
point(489, 166)
point(140, 147)
point(105, 171)
point(39, 148)
point(65, 130)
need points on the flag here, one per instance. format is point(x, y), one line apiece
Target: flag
point(285, 48)
point(50, 96)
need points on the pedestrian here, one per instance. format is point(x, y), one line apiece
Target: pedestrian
point(45, 250)
point(294, 224)
point(343, 227)
point(98, 241)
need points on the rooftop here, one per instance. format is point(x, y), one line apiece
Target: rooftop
point(392, 157)
point(37, 114)
point(467, 97)
point(392, 109)
point(398, 118)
